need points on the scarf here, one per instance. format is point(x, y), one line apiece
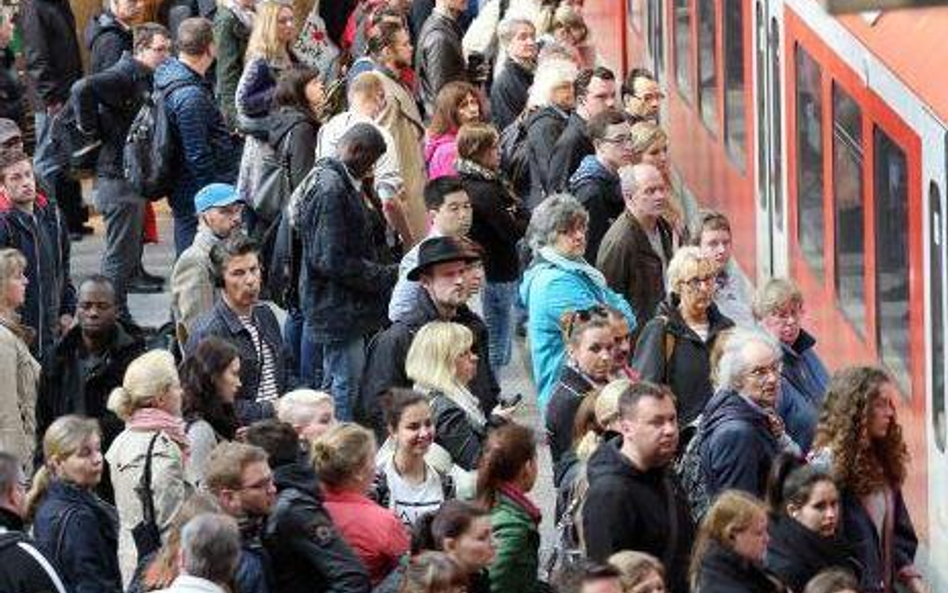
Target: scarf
point(520, 498)
point(243, 15)
point(469, 167)
point(154, 419)
point(554, 257)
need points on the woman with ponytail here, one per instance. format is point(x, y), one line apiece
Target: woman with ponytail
point(75, 527)
point(149, 402)
point(507, 471)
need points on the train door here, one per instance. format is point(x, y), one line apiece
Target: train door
point(771, 200)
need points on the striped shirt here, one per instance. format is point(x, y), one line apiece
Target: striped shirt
point(267, 386)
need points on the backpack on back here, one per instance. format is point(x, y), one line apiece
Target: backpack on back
point(692, 478)
point(152, 146)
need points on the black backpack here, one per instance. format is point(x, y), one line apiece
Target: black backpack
point(73, 154)
point(152, 146)
point(515, 153)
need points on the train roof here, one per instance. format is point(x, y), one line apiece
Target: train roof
point(911, 43)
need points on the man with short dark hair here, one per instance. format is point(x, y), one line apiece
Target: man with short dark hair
point(24, 568)
point(711, 232)
point(207, 151)
point(596, 181)
point(641, 96)
point(595, 91)
point(601, 578)
point(243, 320)
point(83, 368)
point(633, 501)
point(508, 93)
point(209, 555)
point(307, 551)
point(345, 282)
point(109, 33)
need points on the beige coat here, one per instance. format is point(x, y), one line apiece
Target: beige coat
point(19, 373)
point(126, 458)
point(403, 121)
point(192, 290)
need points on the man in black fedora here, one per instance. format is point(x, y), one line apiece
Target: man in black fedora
point(443, 271)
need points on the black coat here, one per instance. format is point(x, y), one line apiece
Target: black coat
point(385, 361)
point(80, 533)
point(508, 94)
point(21, 570)
point(293, 132)
point(627, 509)
point(795, 554)
point(344, 286)
point(723, 571)
point(11, 91)
point(567, 395)
point(52, 49)
point(439, 57)
point(688, 370)
point(107, 39)
point(455, 433)
point(106, 105)
point(544, 127)
point(307, 552)
point(573, 145)
point(499, 222)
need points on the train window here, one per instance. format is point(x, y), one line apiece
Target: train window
point(809, 136)
point(683, 46)
point(656, 36)
point(734, 124)
point(707, 64)
point(937, 326)
point(635, 14)
point(892, 256)
point(850, 254)
point(776, 121)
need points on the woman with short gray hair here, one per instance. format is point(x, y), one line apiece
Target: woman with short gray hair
point(778, 308)
point(560, 280)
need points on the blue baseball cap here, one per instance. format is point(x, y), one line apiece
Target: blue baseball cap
point(215, 195)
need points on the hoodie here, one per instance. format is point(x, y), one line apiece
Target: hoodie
point(628, 509)
point(737, 446)
point(441, 152)
point(598, 189)
point(293, 132)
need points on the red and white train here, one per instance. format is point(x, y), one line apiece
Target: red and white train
point(825, 140)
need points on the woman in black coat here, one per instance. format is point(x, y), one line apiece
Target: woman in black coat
point(804, 522)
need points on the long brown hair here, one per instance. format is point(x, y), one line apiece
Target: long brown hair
point(449, 99)
point(508, 449)
point(860, 464)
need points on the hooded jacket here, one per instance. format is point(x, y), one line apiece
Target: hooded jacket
point(723, 571)
point(737, 446)
point(628, 509)
point(107, 39)
point(306, 550)
point(293, 132)
point(573, 145)
point(802, 389)
point(598, 189)
point(796, 554)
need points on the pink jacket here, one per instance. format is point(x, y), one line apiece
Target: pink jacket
point(440, 154)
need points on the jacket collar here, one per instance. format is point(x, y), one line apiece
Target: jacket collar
point(229, 317)
point(298, 475)
point(10, 521)
point(6, 205)
point(804, 342)
point(120, 340)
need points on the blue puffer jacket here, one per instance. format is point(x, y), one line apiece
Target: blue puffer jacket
point(548, 290)
point(802, 389)
point(737, 446)
point(80, 533)
point(207, 152)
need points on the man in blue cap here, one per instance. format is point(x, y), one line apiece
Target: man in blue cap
point(219, 210)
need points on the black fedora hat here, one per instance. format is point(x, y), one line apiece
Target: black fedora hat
point(440, 250)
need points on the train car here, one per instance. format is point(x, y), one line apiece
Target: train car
point(824, 140)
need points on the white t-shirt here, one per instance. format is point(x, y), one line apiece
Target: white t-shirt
point(410, 501)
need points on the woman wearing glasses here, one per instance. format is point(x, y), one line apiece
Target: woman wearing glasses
point(778, 307)
point(675, 346)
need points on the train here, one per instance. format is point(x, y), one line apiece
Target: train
point(824, 139)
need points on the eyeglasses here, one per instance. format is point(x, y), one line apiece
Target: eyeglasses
point(625, 139)
point(699, 281)
point(762, 372)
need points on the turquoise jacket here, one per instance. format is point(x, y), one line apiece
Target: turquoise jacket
point(548, 290)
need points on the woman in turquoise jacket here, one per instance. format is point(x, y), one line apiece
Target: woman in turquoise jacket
point(559, 281)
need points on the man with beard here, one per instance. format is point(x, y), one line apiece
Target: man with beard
point(240, 318)
point(633, 503)
point(86, 365)
point(239, 476)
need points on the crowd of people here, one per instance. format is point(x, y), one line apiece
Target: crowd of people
point(369, 205)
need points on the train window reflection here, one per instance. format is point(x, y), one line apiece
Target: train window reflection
point(683, 46)
point(656, 36)
point(892, 257)
point(734, 124)
point(937, 325)
point(850, 254)
point(707, 64)
point(809, 139)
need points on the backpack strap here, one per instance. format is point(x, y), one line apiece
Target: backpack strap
point(143, 490)
point(668, 351)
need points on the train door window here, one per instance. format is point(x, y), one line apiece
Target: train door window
point(656, 36)
point(776, 123)
point(734, 123)
point(761, 49)
point(937, 250)
point(892, 256)
point(683, 46)
point(707, 64)
point(809, 139)
point(850, 254)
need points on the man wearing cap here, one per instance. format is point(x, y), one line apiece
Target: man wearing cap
point(442, 271)
point(192, 292)
point(10, 135)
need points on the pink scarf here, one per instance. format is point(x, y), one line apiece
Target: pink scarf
point(518, 496)
point(154, 419)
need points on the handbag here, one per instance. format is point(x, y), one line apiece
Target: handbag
point(146, 534)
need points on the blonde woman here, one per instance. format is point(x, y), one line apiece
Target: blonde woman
point(441, 362)
point(149, 402)
point(639, 572)
point(650, 146)
point(76, 528)
point(18, 367)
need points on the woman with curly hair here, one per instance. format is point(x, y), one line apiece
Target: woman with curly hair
point(859, 439)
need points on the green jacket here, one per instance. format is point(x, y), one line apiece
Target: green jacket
point(517, 538)
point(231, 36)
